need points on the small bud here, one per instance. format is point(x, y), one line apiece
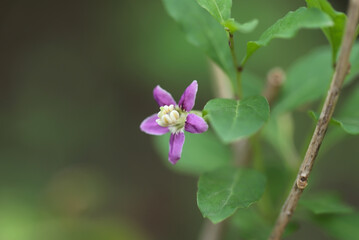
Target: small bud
point(302, 181)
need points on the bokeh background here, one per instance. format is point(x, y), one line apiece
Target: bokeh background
point(76, 80)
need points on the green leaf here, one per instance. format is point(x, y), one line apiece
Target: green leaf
point(325, 203)
point(288, 26)
point(222, 191)
point(334, 33)
point(234, 26)
point(348, 115)
point(201, 153)
point(343, 227)
point(235, 119)
point(219, 9)
point(309, 77)
point(203, 32)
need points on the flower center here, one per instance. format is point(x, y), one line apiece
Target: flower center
point(171, 116)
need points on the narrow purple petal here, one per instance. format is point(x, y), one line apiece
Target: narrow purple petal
point(163, 97)
point(150, 126)
point(195, 124)
point(189, 97)
point(176, 144)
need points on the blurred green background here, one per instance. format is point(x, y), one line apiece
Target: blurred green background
point(76, 80)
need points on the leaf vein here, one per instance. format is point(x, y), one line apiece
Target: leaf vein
point(235, 117)
point(231, 190)
point(220, 14)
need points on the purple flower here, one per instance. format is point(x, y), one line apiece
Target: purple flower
point(175, 119)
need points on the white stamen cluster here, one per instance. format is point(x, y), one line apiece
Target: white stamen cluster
point(168, 116)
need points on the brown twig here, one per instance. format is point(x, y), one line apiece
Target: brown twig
point(341, 71)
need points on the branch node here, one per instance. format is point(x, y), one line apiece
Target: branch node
point(302, 181)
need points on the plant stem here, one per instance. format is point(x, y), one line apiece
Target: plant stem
point(239, 83)
point(235, 63)
point(341, 71)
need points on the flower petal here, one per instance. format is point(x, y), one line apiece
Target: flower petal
point(189, 97)
point(195, 124)
point(176, 144)
point(163, 97)
point(150, 126)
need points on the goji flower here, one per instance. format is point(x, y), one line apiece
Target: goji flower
point(175, 119)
